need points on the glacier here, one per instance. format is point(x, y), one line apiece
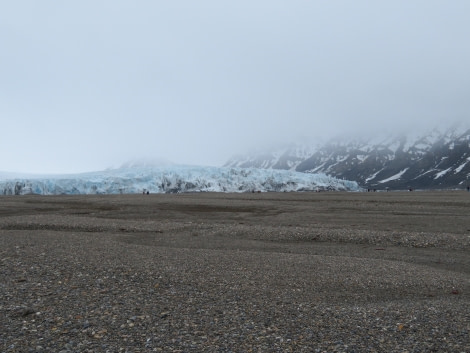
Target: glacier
point(172, 179)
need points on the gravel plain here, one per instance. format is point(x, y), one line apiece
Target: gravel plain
point(268, 272)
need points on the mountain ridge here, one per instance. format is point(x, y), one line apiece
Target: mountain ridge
point(438, 158)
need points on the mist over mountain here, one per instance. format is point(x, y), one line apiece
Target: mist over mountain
point(437, 158)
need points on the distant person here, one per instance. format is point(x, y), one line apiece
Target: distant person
point(468, 188)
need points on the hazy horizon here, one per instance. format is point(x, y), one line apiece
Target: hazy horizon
point(90, 85)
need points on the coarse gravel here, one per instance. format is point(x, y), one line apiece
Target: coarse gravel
point(235, 273)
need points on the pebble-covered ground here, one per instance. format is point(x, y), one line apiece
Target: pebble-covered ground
point(300, 272)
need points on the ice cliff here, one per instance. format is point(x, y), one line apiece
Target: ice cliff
point(173, 179)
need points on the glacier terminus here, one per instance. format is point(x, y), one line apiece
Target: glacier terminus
point(172, 179)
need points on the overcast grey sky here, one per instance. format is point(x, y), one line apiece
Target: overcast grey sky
point(89, 84)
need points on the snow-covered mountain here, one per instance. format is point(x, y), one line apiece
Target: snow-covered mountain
point(172, 179)
point(438, 158)
point(287, 157)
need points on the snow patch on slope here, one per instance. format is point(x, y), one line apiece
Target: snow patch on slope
point(373, 176)
point(442, 173)
point(460, 167)
point(394, 177)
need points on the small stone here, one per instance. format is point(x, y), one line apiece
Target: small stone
point(164, 315)
point(27, 311)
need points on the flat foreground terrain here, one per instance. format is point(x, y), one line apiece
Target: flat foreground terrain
point(290, 272)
